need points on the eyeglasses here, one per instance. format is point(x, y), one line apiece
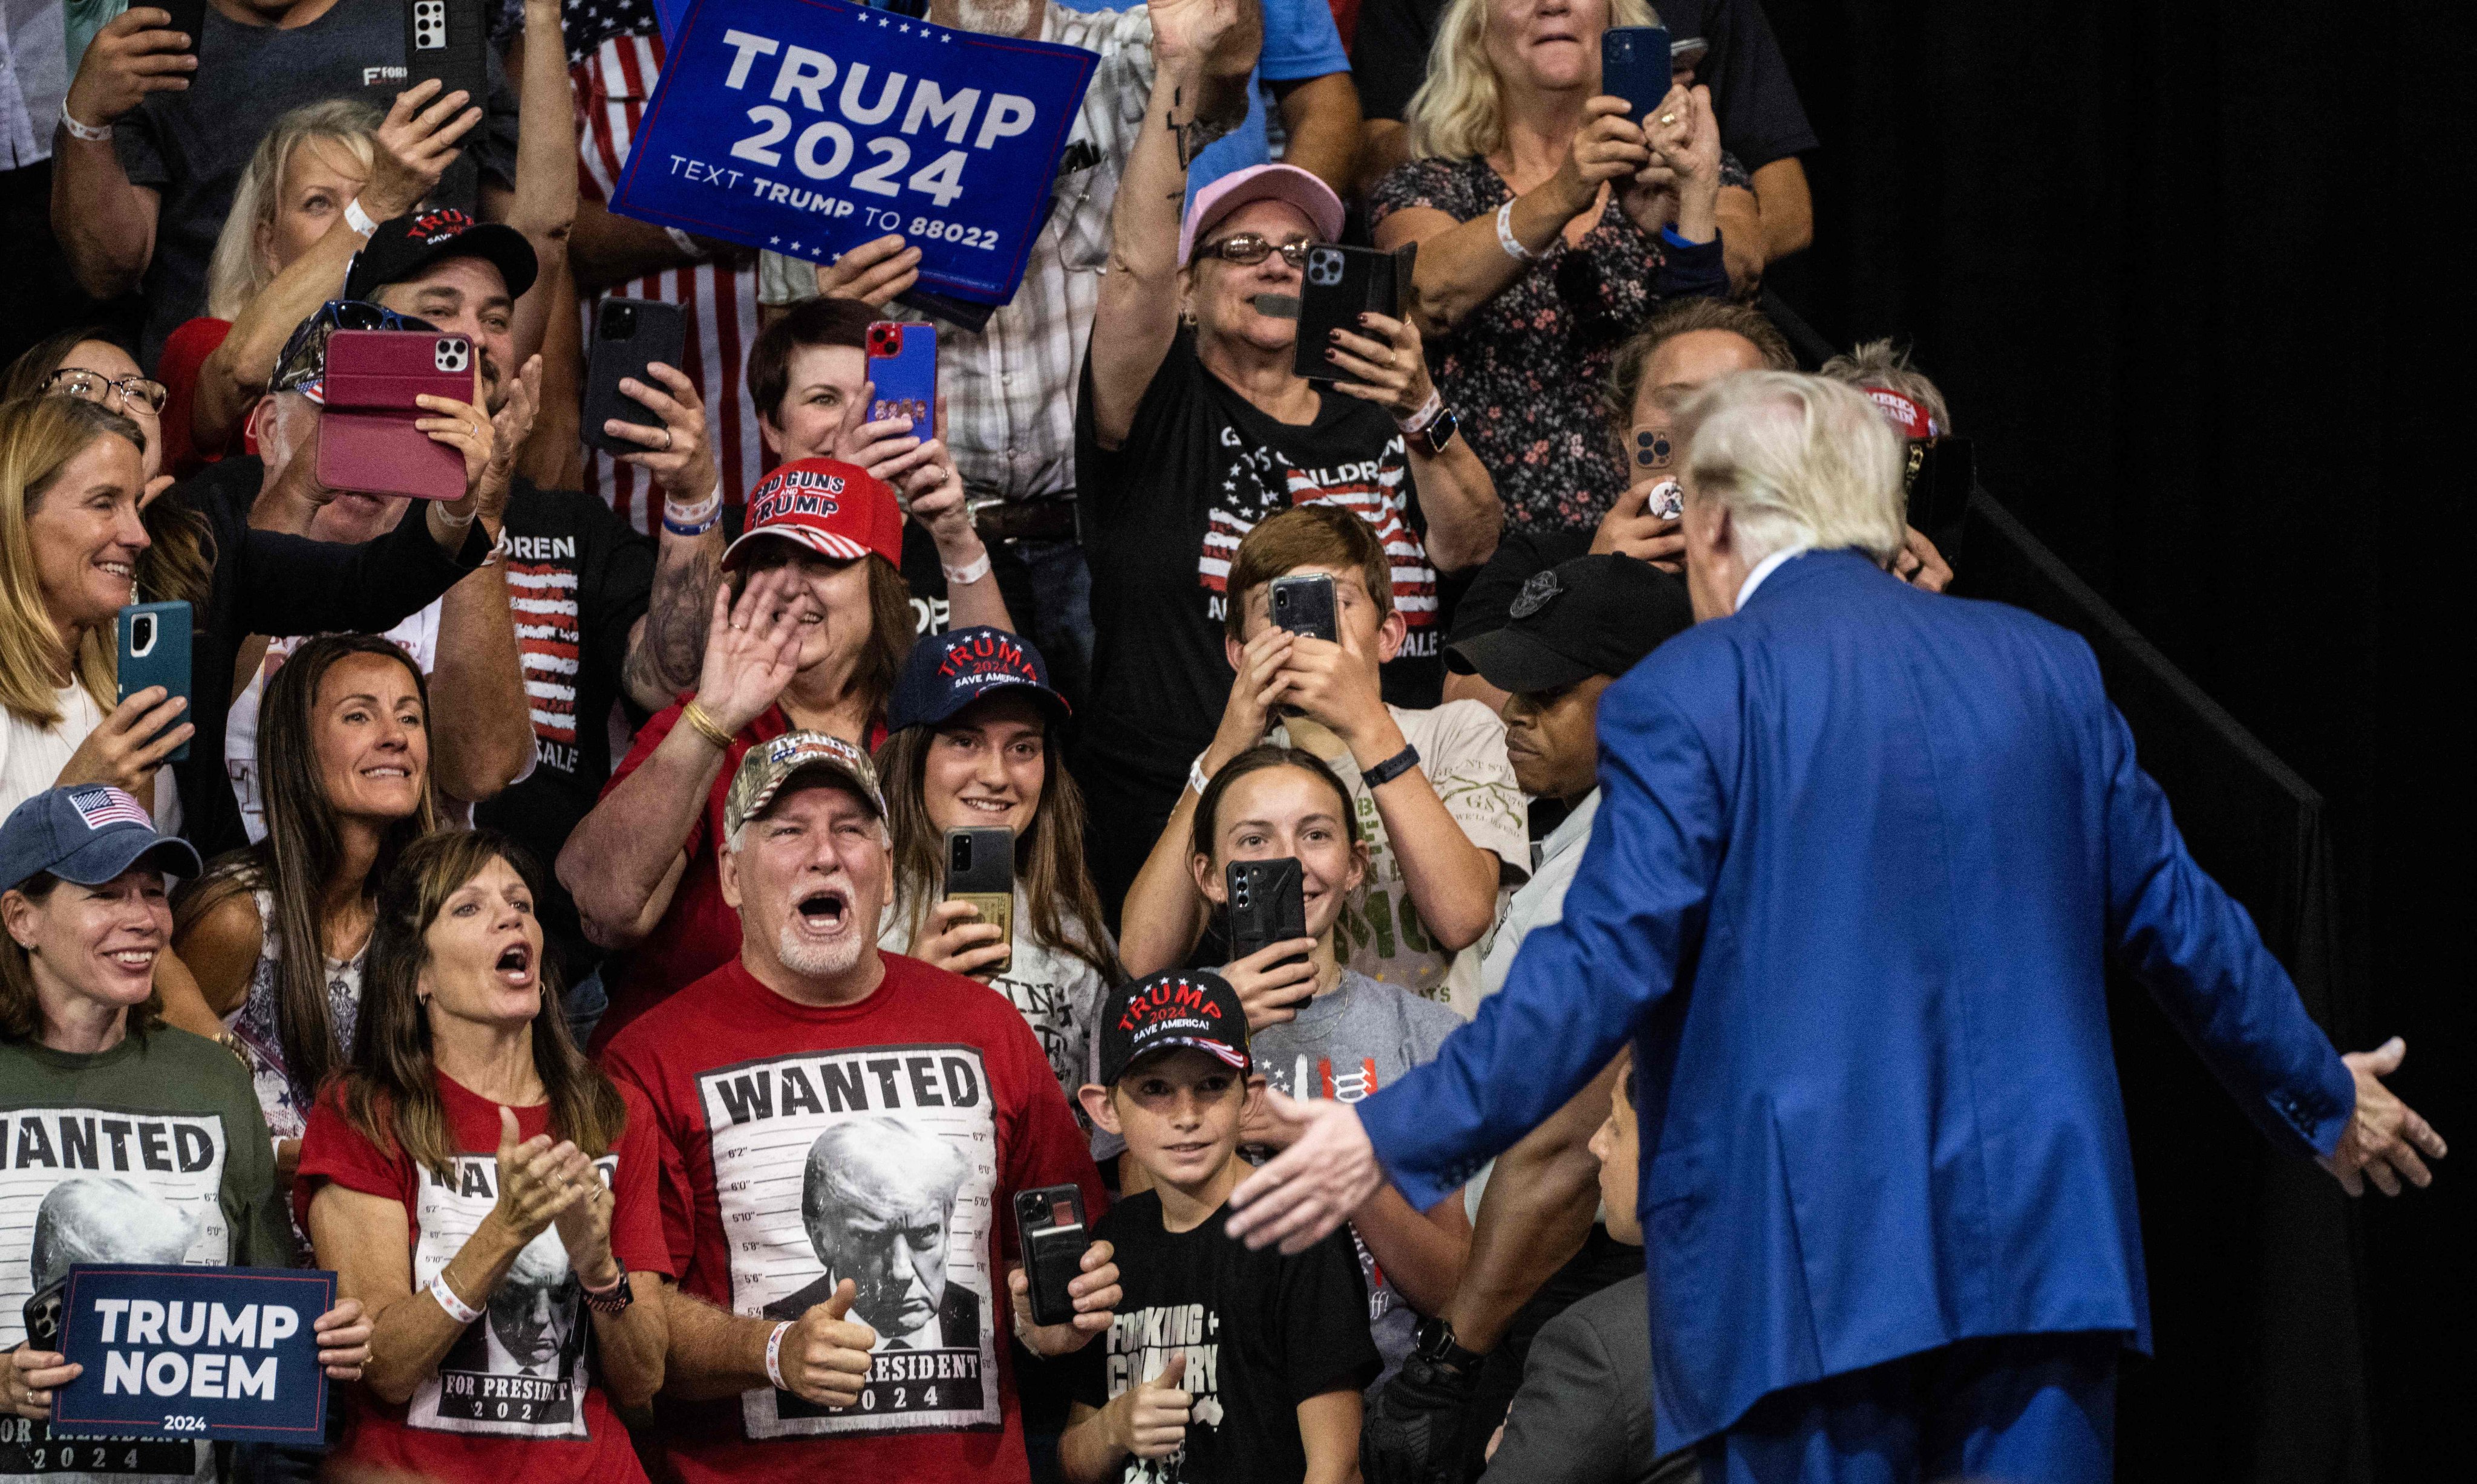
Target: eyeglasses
point(1249, 249)
point(303, 362)
point(135, 391)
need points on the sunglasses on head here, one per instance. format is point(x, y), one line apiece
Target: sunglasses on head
point(304, 359)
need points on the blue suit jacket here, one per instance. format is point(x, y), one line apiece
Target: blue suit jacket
point(1861, 854)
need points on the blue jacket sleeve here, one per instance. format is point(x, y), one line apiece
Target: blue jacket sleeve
point(2202, 959)
point(1632, 921)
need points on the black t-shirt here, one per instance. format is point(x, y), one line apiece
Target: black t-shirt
point(1262, 1333)
point(191, 148)
point(1164, 514)
point(1760, 119)
point(578, 579)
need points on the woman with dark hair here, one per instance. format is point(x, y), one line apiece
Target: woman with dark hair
point(83, 903)
point(975, 746)
point(278, 935)
point(238, 580)
point(809, 630)
point(476, 1183)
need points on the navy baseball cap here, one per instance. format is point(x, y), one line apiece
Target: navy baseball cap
point(1172, 1009)
point(952, 669)
point(87, 833)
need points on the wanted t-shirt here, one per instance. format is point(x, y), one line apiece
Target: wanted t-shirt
point(1262, 1333)
point(578, 579)
point(153, 1151)
point(523, 1372)
point(881, 1142)
point(1163, 515)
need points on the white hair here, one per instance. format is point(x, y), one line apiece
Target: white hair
point(1796, 460)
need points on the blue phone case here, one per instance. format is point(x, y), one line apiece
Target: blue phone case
point(1634, 65)
point(903, 365)
point(154, 639)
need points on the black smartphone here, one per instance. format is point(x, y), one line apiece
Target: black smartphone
point(154, 650)
point(1267, 904)
point(1635, 64)
point(1339, 284)
point(628, 335)
point(42, 1317)
point(1946, 471)
point(449, 39)
point(1302, 604)
point(188, 18)
point(1050, 1237)
point(980, 869)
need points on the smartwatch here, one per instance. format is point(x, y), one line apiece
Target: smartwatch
point(1434, 1342)
point(1437, 432)
point(614, 1299)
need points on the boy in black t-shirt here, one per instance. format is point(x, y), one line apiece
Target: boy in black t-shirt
point(1222, 1364)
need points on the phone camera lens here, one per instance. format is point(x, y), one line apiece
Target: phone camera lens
point(141, 632)
point(618, 321)
point(963, 854)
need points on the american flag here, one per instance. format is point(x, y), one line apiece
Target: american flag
point(105, 806)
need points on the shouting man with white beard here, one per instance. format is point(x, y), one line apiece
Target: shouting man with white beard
point(815, 1040)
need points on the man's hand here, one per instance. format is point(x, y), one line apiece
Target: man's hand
point(1411, 1429)
point(2383, 1136)
point(1185, 33)
point(127, 60)
point(872, 273)
point(676, 452)
point(1096, 1293)
point(1272, 990)
point(466, 428)
point(825, 1356)
point(1918, 563)
point(1248, 713)
point(509, 427)
point(1334, 686)
point(1148, 1419)
point(1328, 1171)
point(751, 650)
point(1630, 528)
point(416, 144)
point(958, 941)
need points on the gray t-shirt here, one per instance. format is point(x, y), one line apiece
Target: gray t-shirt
point(191, 148)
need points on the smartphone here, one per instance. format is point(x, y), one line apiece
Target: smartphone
point(42, 1317)
point(1050, 1238)
point(154, 650)
point(449, 39)
point(1336, 285)
point(980, 869)
point(1302, 604)
point(188, 18)
point(1267, 904)
point(628, 335)
point(1635, 64)
point(368, 442)
point(1943, 475)
point(903, 365)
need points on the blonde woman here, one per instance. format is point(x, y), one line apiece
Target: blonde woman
point(1551, 222)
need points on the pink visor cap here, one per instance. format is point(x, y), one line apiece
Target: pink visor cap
point(1289, 183)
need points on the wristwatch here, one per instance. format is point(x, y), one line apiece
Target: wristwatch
point(614, 1299)
point(1434, 1342)
point(1436, 433)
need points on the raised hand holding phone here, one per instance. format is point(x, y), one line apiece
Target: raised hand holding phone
point(138, 52)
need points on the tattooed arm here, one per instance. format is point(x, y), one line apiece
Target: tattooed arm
point(666, 647)
point(1203, 51)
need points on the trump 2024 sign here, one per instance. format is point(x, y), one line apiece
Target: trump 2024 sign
point(193, 1352)
point(810, 126)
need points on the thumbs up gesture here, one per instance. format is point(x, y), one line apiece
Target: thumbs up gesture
point(825, 1357)
point(1152, 1415)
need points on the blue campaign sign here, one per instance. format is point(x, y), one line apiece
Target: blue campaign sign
point(810, 126)
point(193, 1352)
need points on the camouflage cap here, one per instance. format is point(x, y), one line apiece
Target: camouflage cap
point(770, 764)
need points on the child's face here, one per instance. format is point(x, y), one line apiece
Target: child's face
point(1179, 1112)
point(1274, 812)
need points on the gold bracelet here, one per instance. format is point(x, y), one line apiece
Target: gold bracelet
point(706, 726)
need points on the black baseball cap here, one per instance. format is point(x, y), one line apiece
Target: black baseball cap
point(405, 246)
point(1172, 1009)
point(89, 833)
point(1593, 615)
point(954, 669)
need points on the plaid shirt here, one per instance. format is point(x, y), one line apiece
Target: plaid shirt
point(1010, 388)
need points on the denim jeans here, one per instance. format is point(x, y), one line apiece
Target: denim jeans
point(1060, 621)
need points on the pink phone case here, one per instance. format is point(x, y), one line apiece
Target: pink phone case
point(368, 442)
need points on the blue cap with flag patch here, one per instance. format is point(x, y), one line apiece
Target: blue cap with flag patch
point(87, 833)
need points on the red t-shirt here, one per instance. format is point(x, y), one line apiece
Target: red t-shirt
point(523, 1373)
point(926, 1106)
point(700, 932)
point(185, 352)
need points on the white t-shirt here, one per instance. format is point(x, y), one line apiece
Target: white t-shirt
point(418, 637)
point(1058, 994)
point(1462, 751)
point(32, 756)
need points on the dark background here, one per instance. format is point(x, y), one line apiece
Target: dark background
point(2185, 274)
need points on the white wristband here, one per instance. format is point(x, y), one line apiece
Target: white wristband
point(359, 220)
point(1196, 778)
point(774, 1355)
point(1427, 414)
point(453, 522)
point(1505, 238)
point(691, 514)
point(78, 131)
point(965, 576)
point(457, 1308)
point(685, 244)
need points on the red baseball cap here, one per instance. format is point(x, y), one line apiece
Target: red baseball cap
point(835, 509)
